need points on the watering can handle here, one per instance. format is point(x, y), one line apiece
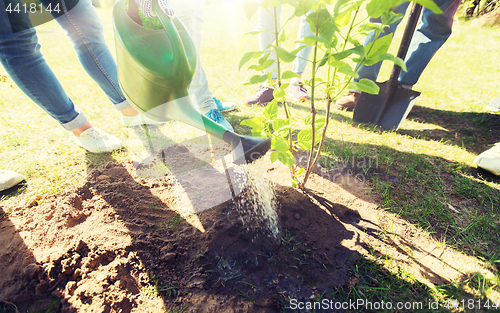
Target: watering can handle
point(179, 47)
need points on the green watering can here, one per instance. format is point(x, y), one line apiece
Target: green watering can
point(155, 68)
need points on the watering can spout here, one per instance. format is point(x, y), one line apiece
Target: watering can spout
point(155, 69)
point(245, 148)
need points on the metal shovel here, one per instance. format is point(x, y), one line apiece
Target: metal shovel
point(393, 103)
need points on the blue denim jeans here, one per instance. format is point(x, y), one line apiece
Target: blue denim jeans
point(265, 21)
point(432, 32)
point(21, 57)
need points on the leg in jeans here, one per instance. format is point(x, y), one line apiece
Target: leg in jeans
point(432, 32)
point(266, 22)
point(191, 15)
point(300, 63)
point(371, 72)
point(21, 57)
point(84, 28)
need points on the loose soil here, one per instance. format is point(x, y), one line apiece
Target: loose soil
point(125, 243)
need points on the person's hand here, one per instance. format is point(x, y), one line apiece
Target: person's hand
point(147, 7)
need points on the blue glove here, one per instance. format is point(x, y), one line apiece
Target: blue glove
point(147, 7)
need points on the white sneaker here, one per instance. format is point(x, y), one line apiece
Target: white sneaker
point(97, 141)
point(494, 105)
point(138, 120)
point(9, 179)
point(490, 159)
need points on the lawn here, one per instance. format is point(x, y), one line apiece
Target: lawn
point(423, 174)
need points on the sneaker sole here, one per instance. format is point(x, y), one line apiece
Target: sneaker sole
point(303, 99)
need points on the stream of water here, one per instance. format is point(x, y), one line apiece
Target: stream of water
point(257, 203)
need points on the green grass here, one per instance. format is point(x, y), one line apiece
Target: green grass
point(420, 171)
point(172, 225)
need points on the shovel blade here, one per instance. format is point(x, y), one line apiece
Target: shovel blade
point(369, 105)
point(399, 108)
point(393, 113)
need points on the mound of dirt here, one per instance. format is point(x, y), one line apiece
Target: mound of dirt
point(204, 238)
point(118, 243)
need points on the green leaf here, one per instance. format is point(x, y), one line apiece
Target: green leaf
point(301, 171)
point(274, 156)
point(284, 55)
point(368, 61)
point(379, 46)
point(311, 40)
point(398, 61)
point(280, 123)
point(279, 144)
point(333, 43)
point(339, 4)
point(321, 19)
point(257, 123)
point(294, 183)
point(284, 86)
point(309, 82)
point(250, 8)
point(358, 50)
point(282, 37)
point(259, 134)
point(327, 36)
point(248, 56)
point(319, 122)
point(288, 75)
point(279, 94)
point(355, 42)
point(271, 110)
point(393, 17)
point(324, 59)
point(368, 27)
point(308, 120)
point(286, 158)
point(263, 66)
point(294, 52)
point(429, 4)
point(365, 85)
point(301, 6)
point(256, 79)
point(304, 139)
point(343, 18)
point(375, 8)
point(245, 36)
point(343, 67)
point(281, 127)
